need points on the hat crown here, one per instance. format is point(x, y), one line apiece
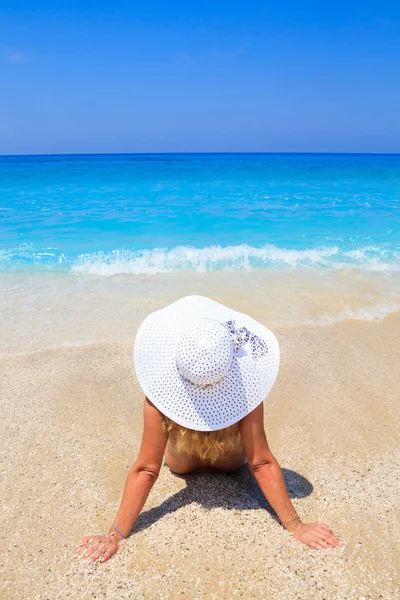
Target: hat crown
point(204, 352)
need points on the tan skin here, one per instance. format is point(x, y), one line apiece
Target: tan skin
point(143, 474)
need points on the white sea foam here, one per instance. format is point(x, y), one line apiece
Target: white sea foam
point(148, 262)
point(366, 313)
point(164, 260)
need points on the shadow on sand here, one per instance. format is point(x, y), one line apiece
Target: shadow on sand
point(232, 491)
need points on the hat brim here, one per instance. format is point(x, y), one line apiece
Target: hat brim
point(203, 409)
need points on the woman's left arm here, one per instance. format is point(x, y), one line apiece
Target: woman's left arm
point(140, 480)
point(269, 476)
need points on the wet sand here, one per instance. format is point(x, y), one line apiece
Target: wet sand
point(70, 430)
point(47, 310)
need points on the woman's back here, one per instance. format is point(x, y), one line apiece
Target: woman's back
point(193, 451)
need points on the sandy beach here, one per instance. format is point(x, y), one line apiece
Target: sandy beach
point(247, 152)
point(70, 430)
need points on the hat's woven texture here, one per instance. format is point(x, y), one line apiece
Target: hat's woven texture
point(204, 365)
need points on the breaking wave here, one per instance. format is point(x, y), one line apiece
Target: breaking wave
point(211, 258)
point(244, 257)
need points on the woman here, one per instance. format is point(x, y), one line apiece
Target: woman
point(205, 370)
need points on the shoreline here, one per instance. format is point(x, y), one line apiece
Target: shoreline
point(71, 430)
point(49, 311)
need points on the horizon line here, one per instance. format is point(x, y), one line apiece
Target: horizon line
point(63, 154)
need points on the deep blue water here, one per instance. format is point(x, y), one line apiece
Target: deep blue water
point(147, 213)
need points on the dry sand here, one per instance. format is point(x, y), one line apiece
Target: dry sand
point(70, 429)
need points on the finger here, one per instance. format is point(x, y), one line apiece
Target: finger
point(90, 540)
point(108, 553)
point(323, 543)
point(324, 526)
point(324, 533)
point(330, 540)
point(96, 555)
point(85, 545)
point(89, 551)
point(336, 541)
point(315, 545)
point(81, 550)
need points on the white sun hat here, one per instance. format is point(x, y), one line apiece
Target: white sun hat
point(204, 365)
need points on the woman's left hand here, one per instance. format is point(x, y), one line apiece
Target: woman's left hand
point(316, 535)
point(97, 547)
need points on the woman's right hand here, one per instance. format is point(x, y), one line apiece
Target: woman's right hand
point(97, 547)
point(316, 535)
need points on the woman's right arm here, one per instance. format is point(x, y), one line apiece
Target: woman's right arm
point(140, 480)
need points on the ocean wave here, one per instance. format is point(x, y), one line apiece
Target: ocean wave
point(147, 262)
point(242, 257)
point(163, 260)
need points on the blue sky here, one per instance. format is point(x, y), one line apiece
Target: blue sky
point(199, 76)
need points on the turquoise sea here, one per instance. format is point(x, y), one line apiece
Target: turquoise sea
point(73, 222)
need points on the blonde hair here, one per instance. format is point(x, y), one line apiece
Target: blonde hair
point(209, 445)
